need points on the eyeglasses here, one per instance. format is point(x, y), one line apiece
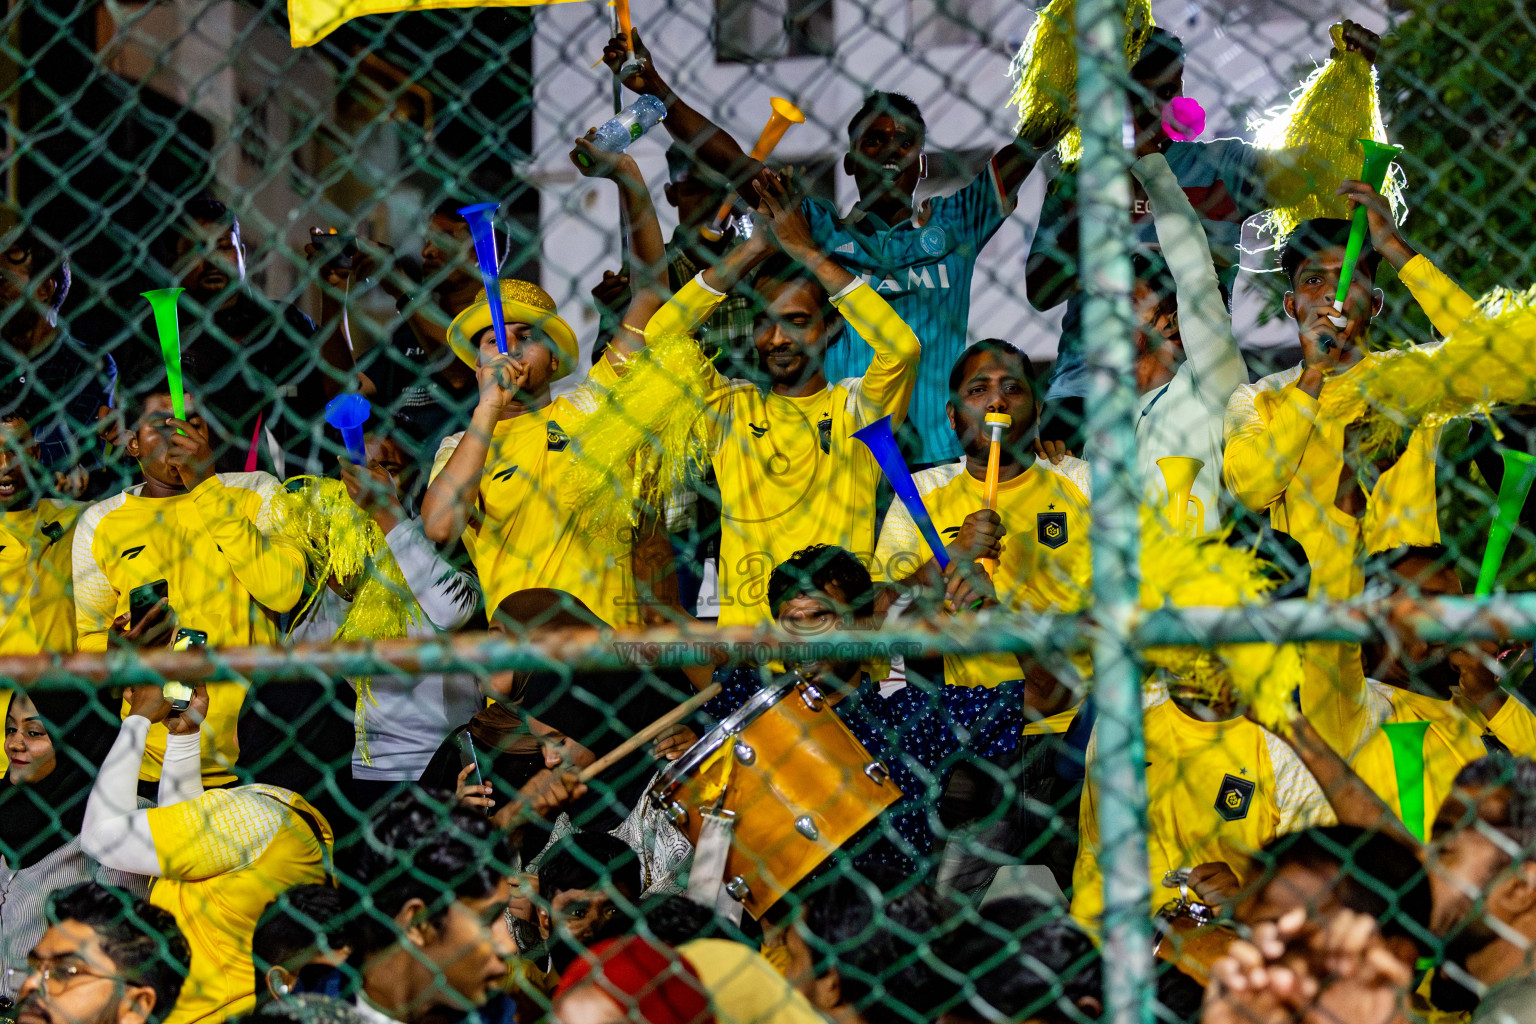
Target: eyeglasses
point(56, 977)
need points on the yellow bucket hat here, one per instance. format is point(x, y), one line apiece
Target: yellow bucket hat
point(522, 302)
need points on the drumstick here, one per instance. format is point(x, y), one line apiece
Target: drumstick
point(649, 733)
point(996, 425)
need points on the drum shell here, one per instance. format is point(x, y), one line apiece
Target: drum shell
point(803, 764)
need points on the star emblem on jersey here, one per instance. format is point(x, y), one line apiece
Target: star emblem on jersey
point(1234, 797)
point(557, 438)
point(506, 474)
point(758, 431)
point(1051, 528)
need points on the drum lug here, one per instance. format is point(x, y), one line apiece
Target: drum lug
point(806, 827)
point(738, 889)
point(811, 696)
point(744, 753)
point(877, 771)
point(678, 813)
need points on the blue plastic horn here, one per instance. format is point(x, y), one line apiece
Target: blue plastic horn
point(877, 437)
point(481, 218)
point(348, 413)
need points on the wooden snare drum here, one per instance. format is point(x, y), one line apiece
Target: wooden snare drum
point(796, 781)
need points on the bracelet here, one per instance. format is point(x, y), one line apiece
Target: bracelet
point(632, 327)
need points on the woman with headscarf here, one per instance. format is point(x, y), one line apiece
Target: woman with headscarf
point(54, 741)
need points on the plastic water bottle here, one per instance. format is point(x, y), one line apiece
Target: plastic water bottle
point(635, 120)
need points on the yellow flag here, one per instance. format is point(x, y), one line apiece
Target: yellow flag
point(310, 21)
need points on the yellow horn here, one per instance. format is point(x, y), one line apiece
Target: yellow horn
point(1179, 472)
point(784, 114)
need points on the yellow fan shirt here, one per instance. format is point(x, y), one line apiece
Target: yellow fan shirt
point(1285, 452)
point(1216, 791)
point(229, 572)
point(1044, 563)
point(789, 470)
point(523, 533)
point(223, 857)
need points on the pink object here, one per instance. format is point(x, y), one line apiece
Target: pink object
point(1183, 119)
point(250, 457)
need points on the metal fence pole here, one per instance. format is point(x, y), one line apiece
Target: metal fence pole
point(1104, 229)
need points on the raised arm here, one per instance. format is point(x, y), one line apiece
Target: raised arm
point(711, 145)
point(1353, 802)
point(115, 833)
point(647, 251)
point(449, 504)
point(1204, 323)
point(266, 563)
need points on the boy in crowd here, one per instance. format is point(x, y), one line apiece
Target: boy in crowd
point(919, 257)
point(188, 553)
point(789, 471)
point(502, 484)
point(66, 383)
point(37, 606)
point(1288, 442)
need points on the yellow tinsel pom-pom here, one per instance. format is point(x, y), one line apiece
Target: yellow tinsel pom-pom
point(647, 437)
point(341, 540)
point(1044, 70)
point(1486, 363)
point(1181, 571)
point(1321, 126)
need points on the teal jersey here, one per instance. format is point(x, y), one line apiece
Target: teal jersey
point(924, 270)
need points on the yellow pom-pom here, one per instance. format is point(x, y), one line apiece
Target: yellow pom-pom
point(647, 437)
point(1045, 69)
point(1321, 128)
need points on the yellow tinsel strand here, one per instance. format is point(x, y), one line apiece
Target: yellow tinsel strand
point(1483, 365)
point(647, 436)
point(341, 540)
point(1044, 70)
point(1322, 126)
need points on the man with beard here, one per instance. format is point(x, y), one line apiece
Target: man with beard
point(61, 378)
point(919, 256)
point(107, 958)
point(271, 383)
point(789, 471)
point(917, 732)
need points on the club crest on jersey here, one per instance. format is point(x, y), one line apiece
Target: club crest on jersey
point(824, 432)
point(557, 438)
point(932, 240)
point(1234, 798)
point(1051, 528)
point(53, 531)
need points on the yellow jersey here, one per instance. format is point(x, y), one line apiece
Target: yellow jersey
point(790, 473)
point(37, 605)
point(1285, 451)
point(229, 572)
point(223, 857)
point(523, 533)
point(1216, 791)
point(1044, 564)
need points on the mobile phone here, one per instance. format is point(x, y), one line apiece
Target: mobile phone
point(180, 694)
point(467, 758)
point(142, 600)
point(335, 247)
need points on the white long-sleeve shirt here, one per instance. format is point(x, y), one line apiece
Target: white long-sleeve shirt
point(1185, 416)
point(412, 717)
